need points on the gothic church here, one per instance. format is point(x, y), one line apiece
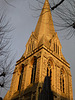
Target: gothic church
point(42, 73)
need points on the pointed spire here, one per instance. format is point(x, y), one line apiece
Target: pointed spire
point(45, 23)
point(46, 1)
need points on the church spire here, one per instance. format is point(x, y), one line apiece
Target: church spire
point(46, 1)
point(45, 23)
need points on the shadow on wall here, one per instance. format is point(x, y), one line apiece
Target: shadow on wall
point(1, 98)
point(46, 93)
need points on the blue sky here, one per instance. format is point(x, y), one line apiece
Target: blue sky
point(24, 23)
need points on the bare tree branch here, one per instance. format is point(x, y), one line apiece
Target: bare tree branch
point(56, 5)
point(9, 3)
point(6, 60)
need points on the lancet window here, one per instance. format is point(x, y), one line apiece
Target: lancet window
point(62, 85)
point(49, 71)
point(32, 45)
point(56, 48)
point(21, 77)
point(34, 70)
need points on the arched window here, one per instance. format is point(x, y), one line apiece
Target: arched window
point(34, 70)
point(49, 71)
point(32, 45)
point(28, 48)
point(21, 77)
point(58, 50)
point(51, 76)
point(62, 85)
point(54, 46)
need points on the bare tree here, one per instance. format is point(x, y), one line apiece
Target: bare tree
point(63, 11)
point(65, 15)
point(6, 66)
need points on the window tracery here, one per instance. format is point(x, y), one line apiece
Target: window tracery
point(62, 85)
point(49, 71)
point(56, 48)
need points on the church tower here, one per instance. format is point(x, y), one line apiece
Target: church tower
point(42, 73)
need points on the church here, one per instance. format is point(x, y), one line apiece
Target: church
point(42, 73)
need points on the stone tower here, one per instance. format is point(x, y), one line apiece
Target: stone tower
point(42, 73)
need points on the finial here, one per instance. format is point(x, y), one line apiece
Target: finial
point(46, 0)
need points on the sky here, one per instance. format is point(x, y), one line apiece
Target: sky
point(22, 20)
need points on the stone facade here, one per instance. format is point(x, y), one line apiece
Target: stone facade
point(42, 73)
